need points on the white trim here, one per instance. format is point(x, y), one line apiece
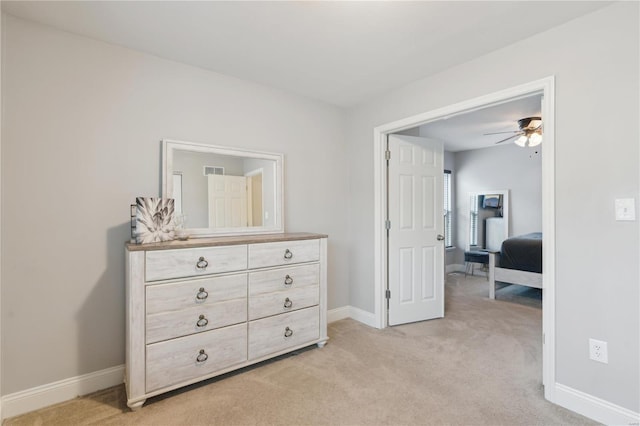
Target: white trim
point(338, 314)
point(367, 318)
point(549, 239)
point(1, 103)
point(546, 87)
point(595, 408)
point(357, 314)
point(454, 267)
point(53, 393)
point(64, 390)
point(379, 232)
point(582, 403)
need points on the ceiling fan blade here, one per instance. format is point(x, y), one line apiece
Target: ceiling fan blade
point(498, 133)
point(510, 137)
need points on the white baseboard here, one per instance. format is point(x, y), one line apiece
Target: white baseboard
point(582, 403)
point(64, 390)
point(53, 393)
point(352, 312)
point(338, 314)
point(454, 267)
point(367, 318)
point(595, 408)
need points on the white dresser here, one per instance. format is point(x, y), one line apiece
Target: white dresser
point(200, 308)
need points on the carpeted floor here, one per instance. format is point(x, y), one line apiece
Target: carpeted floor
point(481, 365)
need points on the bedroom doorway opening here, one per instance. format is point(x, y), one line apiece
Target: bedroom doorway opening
point(543, 88)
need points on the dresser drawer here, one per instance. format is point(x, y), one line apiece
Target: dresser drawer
point(266, 304)
point(176, 360)
point(197, 292)
point(283, 278)
point(168, 264)
point(283, 253)
point(168, 325)
point(277, 333)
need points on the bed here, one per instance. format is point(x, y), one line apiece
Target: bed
point(519, 261)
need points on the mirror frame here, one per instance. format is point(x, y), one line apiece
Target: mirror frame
point(170, 146)
point(505, 209)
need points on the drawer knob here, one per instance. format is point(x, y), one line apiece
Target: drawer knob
point(288, 280)
point(202, 321)
point(202, 294)
point(202, 263)
point(288, 254)
point(288, 332)
point(288, 303)
point(202, 356)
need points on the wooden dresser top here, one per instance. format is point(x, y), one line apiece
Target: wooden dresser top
point(224, 241)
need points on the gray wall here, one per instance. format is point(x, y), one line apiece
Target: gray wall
point(82, 124)
point(502, 167)
point(82, 121)
point(595, 61)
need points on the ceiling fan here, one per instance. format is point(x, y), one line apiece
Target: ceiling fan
point(529, 133)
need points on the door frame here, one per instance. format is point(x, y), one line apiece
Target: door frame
point(251, 174)
point(544, 87)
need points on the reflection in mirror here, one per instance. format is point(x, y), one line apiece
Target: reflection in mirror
point(488, 219)
point(223, 191)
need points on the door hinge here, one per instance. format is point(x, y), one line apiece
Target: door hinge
point(387, 155)
point(387, 294)
point(387, 224)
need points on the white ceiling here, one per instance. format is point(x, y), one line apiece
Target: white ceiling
point(467, 131)
point(339, 52)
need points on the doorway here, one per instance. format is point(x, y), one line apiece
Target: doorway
point(544, 87)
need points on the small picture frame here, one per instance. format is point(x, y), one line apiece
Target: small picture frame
point(154, 220)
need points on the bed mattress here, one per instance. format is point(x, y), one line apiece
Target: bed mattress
point(523, 252)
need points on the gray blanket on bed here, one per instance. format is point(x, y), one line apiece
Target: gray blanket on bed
point(523, 252)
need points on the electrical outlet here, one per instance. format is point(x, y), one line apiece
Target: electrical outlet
point(598, 351)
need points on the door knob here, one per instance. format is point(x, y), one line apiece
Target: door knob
point(440, 237)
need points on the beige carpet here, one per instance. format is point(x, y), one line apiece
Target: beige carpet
point(479, 365)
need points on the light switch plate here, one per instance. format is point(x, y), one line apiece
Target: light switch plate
point(625, 209)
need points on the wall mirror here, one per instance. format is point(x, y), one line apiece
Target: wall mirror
point(488, 219)
point(223, 191)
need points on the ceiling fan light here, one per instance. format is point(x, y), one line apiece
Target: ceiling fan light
point(535, 139)
point(521, 141)
point(535, 123)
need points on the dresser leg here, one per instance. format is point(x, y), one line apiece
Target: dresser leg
point(135, 406)
point(321, 344)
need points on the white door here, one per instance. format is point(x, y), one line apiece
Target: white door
point(416, 242)
point(227, 201)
